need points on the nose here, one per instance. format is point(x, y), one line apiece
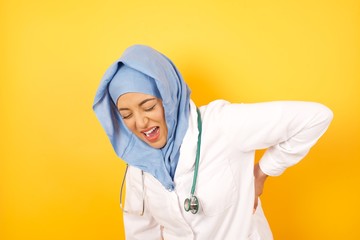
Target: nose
point(141, 121)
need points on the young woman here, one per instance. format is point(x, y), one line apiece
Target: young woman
point(191, 172)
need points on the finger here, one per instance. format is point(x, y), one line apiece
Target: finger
point(256, 201)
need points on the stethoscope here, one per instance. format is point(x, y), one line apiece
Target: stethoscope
point(191, 204)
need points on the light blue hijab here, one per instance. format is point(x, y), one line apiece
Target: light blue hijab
point(175, 95)
point(128, 80)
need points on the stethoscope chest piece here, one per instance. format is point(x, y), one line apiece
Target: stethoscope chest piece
point(191, 204)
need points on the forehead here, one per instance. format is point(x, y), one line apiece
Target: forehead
point(133, 98)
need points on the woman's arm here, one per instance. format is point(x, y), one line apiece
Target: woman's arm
point(307, 122)
point(287, 129)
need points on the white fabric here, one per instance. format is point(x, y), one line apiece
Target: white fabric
point(225, 186)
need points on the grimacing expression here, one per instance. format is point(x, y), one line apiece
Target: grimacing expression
point(144, 116)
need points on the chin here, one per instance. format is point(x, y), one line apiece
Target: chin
point(158, 144)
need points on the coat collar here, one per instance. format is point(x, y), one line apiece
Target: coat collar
point(188, 147)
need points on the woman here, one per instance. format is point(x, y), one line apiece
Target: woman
point(145, 108)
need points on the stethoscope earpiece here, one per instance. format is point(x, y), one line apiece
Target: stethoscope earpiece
point(191, 204)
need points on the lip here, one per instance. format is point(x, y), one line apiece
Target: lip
point(154, 136)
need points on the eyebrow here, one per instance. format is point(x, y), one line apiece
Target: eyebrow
point(140, 104)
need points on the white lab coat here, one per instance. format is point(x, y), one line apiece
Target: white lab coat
point(225, 186)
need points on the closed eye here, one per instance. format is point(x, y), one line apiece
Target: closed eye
point(150, 109)
point(126, 116)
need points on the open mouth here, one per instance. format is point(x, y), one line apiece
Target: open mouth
point(152, 134)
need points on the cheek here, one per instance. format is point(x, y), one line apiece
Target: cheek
point(161, 113)
point(160, 117)
point(162, 120)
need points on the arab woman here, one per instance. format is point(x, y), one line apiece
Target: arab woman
point(190, 169)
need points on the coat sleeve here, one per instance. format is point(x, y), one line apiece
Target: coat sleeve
point(288, 129)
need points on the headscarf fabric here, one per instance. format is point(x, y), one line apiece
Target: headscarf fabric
point(128, 80)
point(175, 95)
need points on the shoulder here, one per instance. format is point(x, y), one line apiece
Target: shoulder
point(213, 108)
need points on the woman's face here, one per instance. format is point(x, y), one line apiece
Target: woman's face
point(144, 116)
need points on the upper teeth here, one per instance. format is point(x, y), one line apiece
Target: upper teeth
point(150, 131)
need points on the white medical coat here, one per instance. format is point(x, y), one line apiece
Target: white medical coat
point(225, 185)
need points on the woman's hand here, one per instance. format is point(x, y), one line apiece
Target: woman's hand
point(260, 178)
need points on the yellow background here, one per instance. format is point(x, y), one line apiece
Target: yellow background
point(59, 177)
